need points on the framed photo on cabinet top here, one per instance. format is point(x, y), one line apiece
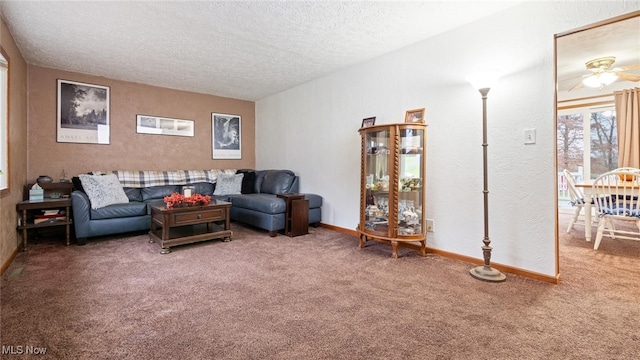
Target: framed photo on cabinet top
point(226, 136)
point(82, 113)
point(370, 121)
point(415, 116)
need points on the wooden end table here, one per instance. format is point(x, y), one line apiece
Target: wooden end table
point(297, 214)
point(47, 203)
point(215, 212)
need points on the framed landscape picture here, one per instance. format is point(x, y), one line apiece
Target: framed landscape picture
point(414, 116)
point(226, 136)
point(83, 113)
point(148, 124)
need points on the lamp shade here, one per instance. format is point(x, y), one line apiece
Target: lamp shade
point(485, 79)
point(600, 80)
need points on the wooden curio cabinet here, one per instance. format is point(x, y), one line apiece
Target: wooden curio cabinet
point(392, 186)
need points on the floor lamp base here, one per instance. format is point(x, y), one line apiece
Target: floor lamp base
point(487, 273)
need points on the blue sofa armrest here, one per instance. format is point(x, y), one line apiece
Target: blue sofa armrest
point(81, 207)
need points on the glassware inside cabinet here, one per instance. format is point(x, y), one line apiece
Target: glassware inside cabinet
point(377, 180)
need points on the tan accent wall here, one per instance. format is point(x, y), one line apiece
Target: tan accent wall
point(129, 150)
point(17, 117)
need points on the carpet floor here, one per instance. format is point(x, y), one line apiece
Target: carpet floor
point(316, 296)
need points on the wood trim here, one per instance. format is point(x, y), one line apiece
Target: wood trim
point(476, 261)
point(353, 233)
point(585, 105)
point(7, 190)
point(586, 98)
point(504, 268)
point(600, 23)
point(10, 259)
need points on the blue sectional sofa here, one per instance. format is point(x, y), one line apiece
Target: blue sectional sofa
point(257, 205)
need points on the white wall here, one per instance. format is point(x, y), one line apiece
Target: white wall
point(312, 129)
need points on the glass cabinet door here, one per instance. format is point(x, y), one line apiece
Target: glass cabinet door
point(377, 169)
point(411, 172)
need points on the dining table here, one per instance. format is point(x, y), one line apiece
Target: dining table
point(587, 189)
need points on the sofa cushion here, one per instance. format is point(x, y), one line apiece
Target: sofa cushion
point(266, 203)
point(133, 193)
point(158, 192)
point(247, 181)
point(119, 211)
point(103, 190)
point(257, 184)
point(203, 188)
point(228, 184)
point(277, 181)
point(315, 201)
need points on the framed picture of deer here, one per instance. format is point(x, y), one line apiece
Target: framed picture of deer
point(226, 136)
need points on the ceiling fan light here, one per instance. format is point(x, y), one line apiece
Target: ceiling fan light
point(607, 78)
point(600, 80)
point(592, 81)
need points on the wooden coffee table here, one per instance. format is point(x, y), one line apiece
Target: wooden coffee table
point(180, 225)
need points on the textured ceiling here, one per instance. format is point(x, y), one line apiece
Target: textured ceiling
point(620, 39)
point(239, 49)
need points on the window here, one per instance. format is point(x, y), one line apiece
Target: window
point(4, 122)
point(593, 154)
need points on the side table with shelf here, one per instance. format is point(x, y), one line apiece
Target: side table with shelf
point(296, 220)
point(28, 208)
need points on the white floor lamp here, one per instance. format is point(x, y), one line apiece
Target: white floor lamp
point(483, 82)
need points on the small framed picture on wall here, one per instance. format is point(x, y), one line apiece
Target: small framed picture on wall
point(226, 136)
point(149, 124)
point(415, 116)
point(370, 121)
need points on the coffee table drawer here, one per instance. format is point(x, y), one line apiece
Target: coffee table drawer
point(198, 217)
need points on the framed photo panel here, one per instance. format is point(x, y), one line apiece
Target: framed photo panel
point(148, 124)
point(414, 116)
point(83, 113)
point(370, 121)
point(226, 136)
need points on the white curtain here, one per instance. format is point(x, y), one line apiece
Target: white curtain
point(628, 118)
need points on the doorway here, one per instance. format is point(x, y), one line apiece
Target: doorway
point(585, 112)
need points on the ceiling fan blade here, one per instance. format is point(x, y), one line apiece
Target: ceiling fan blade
point(628, 77)
point(575, 77)
point(576, 87)
point(629, 67)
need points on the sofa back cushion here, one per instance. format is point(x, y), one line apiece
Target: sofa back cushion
point(203, 188)
point(158, 192)
point(257, 182)
point(277, 181)
point(133, 193)
point(248, 181)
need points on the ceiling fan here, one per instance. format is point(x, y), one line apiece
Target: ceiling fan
point(602, 74)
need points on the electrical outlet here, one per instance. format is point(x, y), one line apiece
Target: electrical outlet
point(430, 225)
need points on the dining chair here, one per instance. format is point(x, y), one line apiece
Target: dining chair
point(577, 200)
point(617, 198)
